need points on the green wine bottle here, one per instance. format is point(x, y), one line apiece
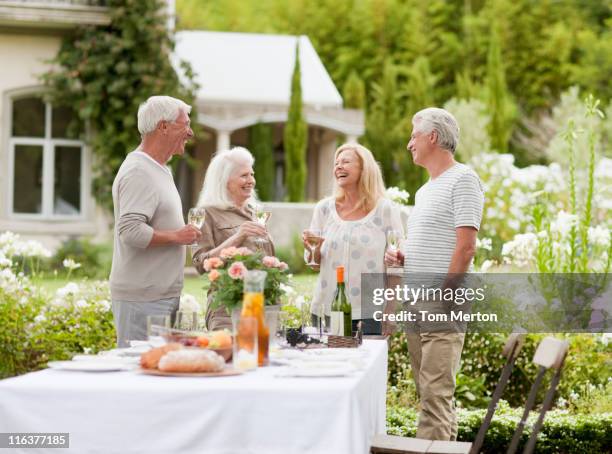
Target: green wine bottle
point(341, 311)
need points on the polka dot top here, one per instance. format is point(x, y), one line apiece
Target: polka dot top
point(357, 245)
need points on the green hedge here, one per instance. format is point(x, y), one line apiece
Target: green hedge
point(589, 362)
point(561, 432)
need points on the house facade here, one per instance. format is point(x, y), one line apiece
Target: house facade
point(45, 174)
point(244, 79)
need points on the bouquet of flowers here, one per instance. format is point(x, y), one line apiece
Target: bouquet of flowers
point(227, 271)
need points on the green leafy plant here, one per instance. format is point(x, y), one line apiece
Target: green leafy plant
point(561, 432)
point(226, 274)
point(104, 73)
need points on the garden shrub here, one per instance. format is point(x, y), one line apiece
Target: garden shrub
point(37, 329)
point(561, 432)
point(95, 259)
point(589, 362)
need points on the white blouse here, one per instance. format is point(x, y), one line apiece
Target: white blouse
point(358, 245)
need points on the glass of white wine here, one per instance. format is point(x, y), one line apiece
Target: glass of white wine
point(394, 238)
point(196, 217)
point(313, 239)
point(262, 217)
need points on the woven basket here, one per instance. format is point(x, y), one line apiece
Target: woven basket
point(346, 341)
point(342, 342)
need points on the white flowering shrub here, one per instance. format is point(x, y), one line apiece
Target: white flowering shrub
point(398, 195)
point(38, 327)
point(474, 120)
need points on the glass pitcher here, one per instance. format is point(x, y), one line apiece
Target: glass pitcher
point(253, 306)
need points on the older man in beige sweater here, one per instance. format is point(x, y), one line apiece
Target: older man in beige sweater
point(150, 232)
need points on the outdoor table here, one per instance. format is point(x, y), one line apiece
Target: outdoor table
point(257, 412)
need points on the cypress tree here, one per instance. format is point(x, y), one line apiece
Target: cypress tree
point(354, 92)
point(295, 138)
point(500, 105)
point(260, 144)
point(382, 136)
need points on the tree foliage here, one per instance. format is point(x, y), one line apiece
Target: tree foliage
point(295, 138)
point(260, 145)
point(445, 48)
point(105, 73)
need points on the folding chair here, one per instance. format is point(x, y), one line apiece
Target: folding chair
point(389, 444)
point(551, 353)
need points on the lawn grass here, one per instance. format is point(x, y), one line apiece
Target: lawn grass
point(193, 285)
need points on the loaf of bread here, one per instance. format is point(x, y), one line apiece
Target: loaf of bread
point(150, 359)
point(188, 360)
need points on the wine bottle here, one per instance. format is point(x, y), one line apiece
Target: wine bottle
point(341, 313)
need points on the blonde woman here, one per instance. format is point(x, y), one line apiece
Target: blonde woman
point(354, 222)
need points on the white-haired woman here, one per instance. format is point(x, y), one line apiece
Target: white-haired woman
point(229, 199)
point(354, 222)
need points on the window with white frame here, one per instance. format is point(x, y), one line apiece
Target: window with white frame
point(46, 161)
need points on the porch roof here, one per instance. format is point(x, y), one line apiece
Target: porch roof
point(254, 69)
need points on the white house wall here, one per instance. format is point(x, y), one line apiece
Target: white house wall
point(22, 58)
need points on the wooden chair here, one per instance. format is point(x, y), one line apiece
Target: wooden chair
point(550, 354)
point(389, 444)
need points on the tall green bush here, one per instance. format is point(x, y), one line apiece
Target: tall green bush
point(260, 144)
point(104, 74)
point(354, 92)
point(295, 138)
point(499, 102)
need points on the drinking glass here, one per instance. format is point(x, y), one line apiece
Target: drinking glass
point(245, 345)
point(394, 237)
point(196, 217)
point(157, 326)
point(313, 239)
point(271, 317)
point(262, 216)
point(186, 321)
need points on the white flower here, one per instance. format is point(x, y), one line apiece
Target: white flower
point(105, 305)
point(69, 289)
point(189, 303)
point(286, 289)
point(599, 236)
point(486, 266)
point(398, 195)
point(521, 249)
point(40, 318)
point(485, 243)
point(81, 303)
point(564, 223)
point(71, 264)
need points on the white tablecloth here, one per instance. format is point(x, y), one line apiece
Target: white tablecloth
point(128, 412)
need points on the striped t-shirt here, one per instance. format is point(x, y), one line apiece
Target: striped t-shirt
point(454, 199)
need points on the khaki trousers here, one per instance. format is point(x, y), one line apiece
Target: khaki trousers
point(435, 359)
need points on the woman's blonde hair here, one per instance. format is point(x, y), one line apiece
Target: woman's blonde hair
point(214, 191)
point(371, 185)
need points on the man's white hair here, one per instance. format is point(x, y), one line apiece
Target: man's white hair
point(159, 108)
point(442, 122)
point(223, 164)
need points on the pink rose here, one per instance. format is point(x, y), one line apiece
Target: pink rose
point(213, 275)
point(270, 261)
point(229, 252)
point(237, 270)
point(212, 263)
point(283, 266)
point(244, 251)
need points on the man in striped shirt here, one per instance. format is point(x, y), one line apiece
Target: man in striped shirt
point(441, 242)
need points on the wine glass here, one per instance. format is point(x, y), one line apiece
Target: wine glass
point(313, 239)
point(261, 216)
point(394, 237)
point(196, 217)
